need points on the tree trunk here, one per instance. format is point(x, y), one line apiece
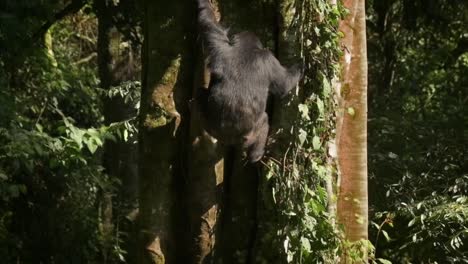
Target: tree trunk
point(116, 65)
point(166, 89)
point(205, 175)
point(352, 127)
point(238, 221)
point(195, 206)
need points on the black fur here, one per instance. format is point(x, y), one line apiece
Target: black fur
point(242, 76)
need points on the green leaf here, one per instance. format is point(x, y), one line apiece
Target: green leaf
point(98, 141)
point(376, 225)
point(77, 135)
point(316, 143)
point(320, 106)
point(304, 110)
point(92, 147)
point(305, 243)
point(384, 261)
point(418, 206)
point(39, 127)
point(125, 135)
point(273, 194)
point(326, 87)
point(387, 237)
point(351, 111)
point(302, 136)
point(269, 174)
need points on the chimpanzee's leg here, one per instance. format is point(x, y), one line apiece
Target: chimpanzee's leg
point(200, 105)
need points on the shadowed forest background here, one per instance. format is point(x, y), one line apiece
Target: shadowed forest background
point(103, 160)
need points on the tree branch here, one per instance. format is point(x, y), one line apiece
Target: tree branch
point(72, 8)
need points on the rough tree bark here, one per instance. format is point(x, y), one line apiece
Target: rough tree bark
point(182, 175)
point(238, 220)
point(205, 175)
point(352, 126)
point(116, 65)
point(166, 89)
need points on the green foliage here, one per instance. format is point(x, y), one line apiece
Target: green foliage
point(52, 131)
point(51, 135)
point(298, 182)
point(129, 93)
point(417, 131)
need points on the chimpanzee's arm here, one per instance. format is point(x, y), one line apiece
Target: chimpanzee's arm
point(214, 35)
point(282, 79)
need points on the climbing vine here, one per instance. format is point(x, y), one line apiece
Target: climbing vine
point(298, 185)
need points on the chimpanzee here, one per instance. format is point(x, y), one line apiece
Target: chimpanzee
point(243, 73)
